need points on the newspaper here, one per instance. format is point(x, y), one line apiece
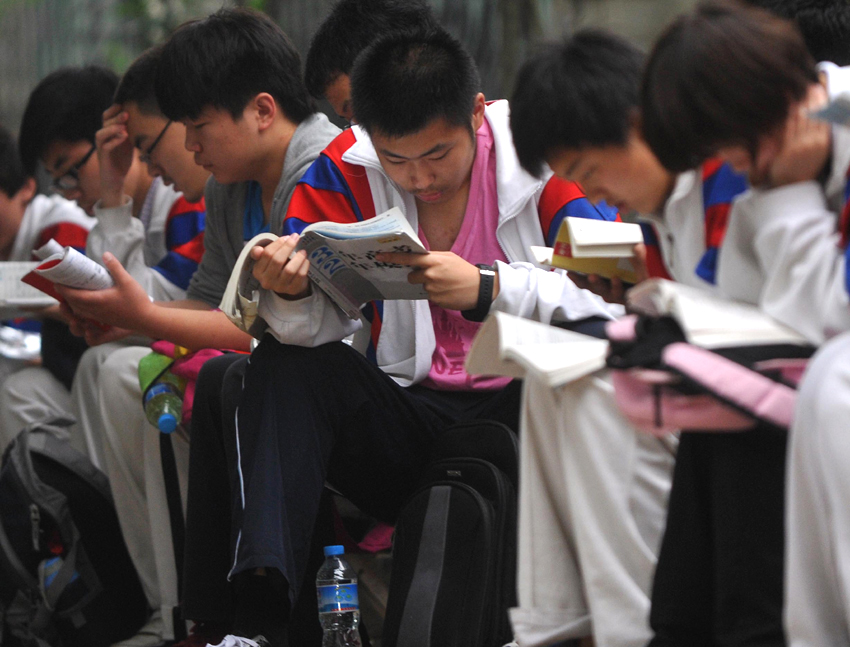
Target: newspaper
point(342, 263)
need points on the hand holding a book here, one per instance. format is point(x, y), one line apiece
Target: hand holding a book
point(613, 290)
point(450, 281)
point(278, 270)
point(114, 154)
point(123, 305)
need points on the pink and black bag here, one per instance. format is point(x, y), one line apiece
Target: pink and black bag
point(663, 384)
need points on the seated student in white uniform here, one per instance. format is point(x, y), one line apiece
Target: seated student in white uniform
point(145, 223)
point(593, 489)
point(28, 221)
point(737, 82)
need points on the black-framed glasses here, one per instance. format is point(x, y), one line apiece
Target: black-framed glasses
point(70, 179)
point(146, 156)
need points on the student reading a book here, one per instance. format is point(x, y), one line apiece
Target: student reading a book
point(28, 221)
point(154, 230)
point(351, 26)
point(429, 144)
point(592, 487)
point(234, 80)
point(757, 88)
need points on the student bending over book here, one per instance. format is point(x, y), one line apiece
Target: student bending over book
point(314, 408)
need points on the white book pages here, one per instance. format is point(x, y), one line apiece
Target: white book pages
point(514, 347)
point(708, 320)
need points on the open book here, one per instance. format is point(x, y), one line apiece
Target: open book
point(709, 320)
point(342, 264)
point(66, 266)
point(512, 346)
point(592, 246)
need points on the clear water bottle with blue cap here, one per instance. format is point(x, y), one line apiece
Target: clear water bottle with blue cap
point(339, 604)
point(163, 401)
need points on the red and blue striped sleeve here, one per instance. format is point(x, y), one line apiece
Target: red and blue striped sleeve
point(66, 233)
point(560, 199)
point(654, 260)
point(184, 239)
point(331, 189)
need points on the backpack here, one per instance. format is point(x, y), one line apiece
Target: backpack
point(663, 384)
point(66, 578)
point(454, 551)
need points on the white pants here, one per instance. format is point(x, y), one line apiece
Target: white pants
point(817, 575)
point(592, 508)
point(29, 395)
point(132, 460)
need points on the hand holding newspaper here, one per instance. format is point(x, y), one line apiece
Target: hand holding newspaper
point(590, 246)
point(342, 263)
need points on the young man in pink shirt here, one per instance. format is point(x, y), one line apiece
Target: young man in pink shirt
point(314, 408)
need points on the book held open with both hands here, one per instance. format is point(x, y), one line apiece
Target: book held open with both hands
point(342, 263)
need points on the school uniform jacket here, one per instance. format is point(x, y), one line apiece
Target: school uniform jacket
point(49, 217)
point(347, 183)
point(163, 254)
point(784, 248)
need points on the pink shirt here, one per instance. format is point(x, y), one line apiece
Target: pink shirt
point(476, 242)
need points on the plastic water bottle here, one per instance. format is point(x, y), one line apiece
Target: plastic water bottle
point(163, 402)
point(339, 606)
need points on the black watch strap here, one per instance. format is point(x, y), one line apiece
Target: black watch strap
point(487, 274)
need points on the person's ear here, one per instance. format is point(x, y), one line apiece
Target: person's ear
point(27, 192)
point(478, 111)
point(265, 110)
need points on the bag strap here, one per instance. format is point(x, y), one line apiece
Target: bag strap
point(741, 387)
point(178, 527)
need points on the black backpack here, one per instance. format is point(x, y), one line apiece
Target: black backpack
point(66, 578)
point(454, 551)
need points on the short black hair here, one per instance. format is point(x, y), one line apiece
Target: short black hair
point(350, 27)
point(580, 93)
point(137, 84)
point(825, 25)
point(225, 60)
point(12, 174)
point(406, 80)
point(724, 74)
point(67, 105)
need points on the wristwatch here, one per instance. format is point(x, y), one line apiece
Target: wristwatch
point(487, 274)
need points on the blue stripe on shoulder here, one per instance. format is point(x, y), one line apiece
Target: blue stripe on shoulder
point(579, 208)
point(707, 267)
point(177, 269)
point(847, 269)
point(722, 186)
point(184, 227)
point(324, 175)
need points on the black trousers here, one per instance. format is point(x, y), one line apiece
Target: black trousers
point(719, 580)
point(216, 484)
point(308, 415)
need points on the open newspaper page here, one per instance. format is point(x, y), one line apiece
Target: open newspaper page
point(513, 346)
point(343, 264)
point(709, 320)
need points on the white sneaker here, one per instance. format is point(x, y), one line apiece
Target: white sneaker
point(238, 641)
point(150, 635)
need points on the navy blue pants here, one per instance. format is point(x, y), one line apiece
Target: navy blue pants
point(308, 415)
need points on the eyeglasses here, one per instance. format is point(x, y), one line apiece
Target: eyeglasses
point(146, 156)
point(70, 179)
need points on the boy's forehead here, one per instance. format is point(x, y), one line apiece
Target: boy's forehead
point(435, 136)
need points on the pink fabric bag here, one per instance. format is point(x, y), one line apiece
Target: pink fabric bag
point(188, 367)
point(663, 384)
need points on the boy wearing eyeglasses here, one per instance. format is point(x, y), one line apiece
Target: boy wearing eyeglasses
point(28, 221)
